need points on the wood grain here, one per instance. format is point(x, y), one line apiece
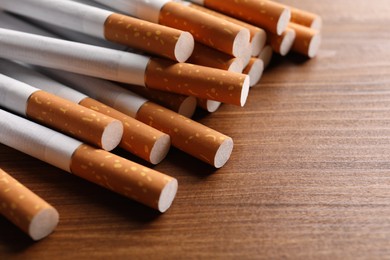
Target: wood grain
point(309, 177)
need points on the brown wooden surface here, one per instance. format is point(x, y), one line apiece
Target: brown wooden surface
point(309, 176)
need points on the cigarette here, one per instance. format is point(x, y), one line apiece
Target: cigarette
point(258, 36)
point(266, 55)
point(209, 57)
point(150, 37)
point(138, 138)
point(25, 209)
point(307, 41)
point(207, 29)
point(125, 67)
point(306, 18)
point(282, 44)
point(202, 142)
point(255, 70)
point(60, 114)
point(101, 167)
point(206, 56)
point(181, 104)
point(268, 15)
point(199, 81)
point(187, 135)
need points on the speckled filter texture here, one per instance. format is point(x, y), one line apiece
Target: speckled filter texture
point(119, 175)
point(187, 135)
point(143, 35)
point(138, 138)
point(207, 29)
point(70, 118)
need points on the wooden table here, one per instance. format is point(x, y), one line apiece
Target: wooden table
point(309, 177)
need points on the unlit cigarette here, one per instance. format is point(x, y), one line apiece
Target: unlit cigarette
point(198, 81)
point(155, 73)
point(306, 18)
point(255, 70)
point(206, 56)
point(127, 178)
point(138, 138)
point(189, 136)
point(282, 44)
point(60, 114)
point(145, 142)
point(269, 15)
point(209, 57)
point(257, 35)
point(207, 29)
point(202, 142)
point(184, 105)
point(266, 55)
point(307, 41)
point(25, 209)
point(150, 37)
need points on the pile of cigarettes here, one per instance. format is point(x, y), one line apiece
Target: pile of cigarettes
point(80, 77)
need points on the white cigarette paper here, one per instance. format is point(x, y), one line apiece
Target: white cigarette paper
point(172, 43)
point(138, 138)
point(125, 67)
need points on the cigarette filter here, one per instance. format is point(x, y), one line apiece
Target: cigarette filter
point(60, 114)
point(209, 105)
point(150, 37)
point(155, 73)
point(206, 56)
point(257, 35)
point(265, 14)
point(198, 81)
point(127, 178)
point(255, 70)
point(307, 41)
point(306, 18)
point(181, 104)
point(25, 209)
point(209, 57)
point(266, 55)
point(146, 142)
point(282, 44)
point(189, 136)
point(196, 139)
point(209, 30)
point(138, 138)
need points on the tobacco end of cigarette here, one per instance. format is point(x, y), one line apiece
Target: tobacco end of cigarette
point(112, 135)
point(160, 149)
point(258, 42)
point(167, 195)
point(187, 107)
point(240, 43)
point(184, 46)
point(43, 223)
point(254, 70)
point(287, 42)
point(283, 21)
point(223, 153)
